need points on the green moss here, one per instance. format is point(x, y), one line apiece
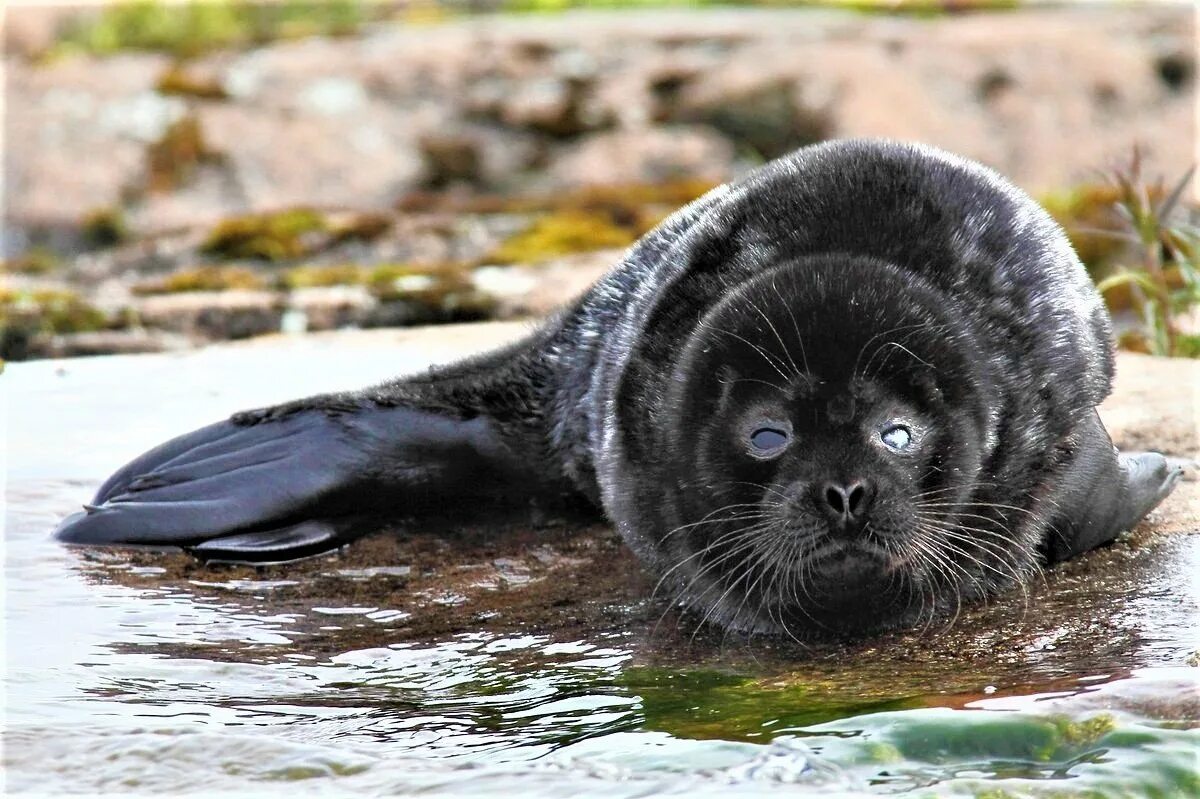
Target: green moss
point(49, 311)
point(622, 201)
point(268, 237)
point(105, 227)
point(34, 261)
point(364, 226)
point(172, 161)
point(201, 26)
point(291, 233)
point(177, 80)
point(562, 233)
point(316, 275)
point(444, 292)
point(918, 8)
point(203, 278)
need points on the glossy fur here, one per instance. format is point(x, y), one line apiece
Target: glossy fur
point(830, 293)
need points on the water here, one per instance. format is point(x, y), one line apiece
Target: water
point(535, 667)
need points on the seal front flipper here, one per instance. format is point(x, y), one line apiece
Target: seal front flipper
point(1148, 478)
point(273, 486)
point(1106, 493)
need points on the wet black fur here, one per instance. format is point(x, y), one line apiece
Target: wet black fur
point(1010, 355)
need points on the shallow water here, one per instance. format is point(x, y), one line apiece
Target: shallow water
point(147, 674)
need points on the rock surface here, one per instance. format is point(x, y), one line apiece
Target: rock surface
point(492, 167)
point(1043, 95)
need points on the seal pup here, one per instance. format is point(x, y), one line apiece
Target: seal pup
point(851, 391)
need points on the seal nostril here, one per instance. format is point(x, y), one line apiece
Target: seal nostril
point(857, 499)
point(835, 496)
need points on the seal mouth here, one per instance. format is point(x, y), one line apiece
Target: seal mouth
point(851, 566)
point(864, 549)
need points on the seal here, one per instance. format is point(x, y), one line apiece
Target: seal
point(851, 391)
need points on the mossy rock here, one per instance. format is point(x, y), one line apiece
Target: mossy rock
point(562, 233)
point(324, 275)
point(105, 227)
point(269, 237)
point(427, 294)
point(177, 80)
point(622, 201)
point(34, 261)
point(203, 278)
point(172, 161)
point(291, 233)
point(26, 315)
point(357, 226)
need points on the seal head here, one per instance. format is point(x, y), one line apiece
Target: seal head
point(822, 430)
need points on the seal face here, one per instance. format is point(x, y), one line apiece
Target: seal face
point(816, 454)
point(852, 391)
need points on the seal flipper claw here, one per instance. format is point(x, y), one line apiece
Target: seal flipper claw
point(269, 546)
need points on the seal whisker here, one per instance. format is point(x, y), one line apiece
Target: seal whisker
point(855, 374)
point(766, 356)
point(795, 326)
point(779, 338)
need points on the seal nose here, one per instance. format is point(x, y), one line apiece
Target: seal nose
point(846, 504)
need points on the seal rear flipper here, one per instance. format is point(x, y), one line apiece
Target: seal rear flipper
point(267, 490)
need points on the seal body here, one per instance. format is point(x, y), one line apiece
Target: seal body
point(855, 389)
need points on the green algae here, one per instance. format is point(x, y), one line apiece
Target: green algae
point(731, 706)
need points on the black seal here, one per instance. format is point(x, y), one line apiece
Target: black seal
point(851, 391)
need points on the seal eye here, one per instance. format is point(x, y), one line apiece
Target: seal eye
point(896, 436)
point(768, 440)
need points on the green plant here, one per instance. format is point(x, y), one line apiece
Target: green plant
point(1162, 273)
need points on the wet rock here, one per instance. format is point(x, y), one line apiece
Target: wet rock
point(113, 342)
point(213, 315)
point(332, 307)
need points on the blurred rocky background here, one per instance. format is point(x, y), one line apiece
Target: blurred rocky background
point(184, 173)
